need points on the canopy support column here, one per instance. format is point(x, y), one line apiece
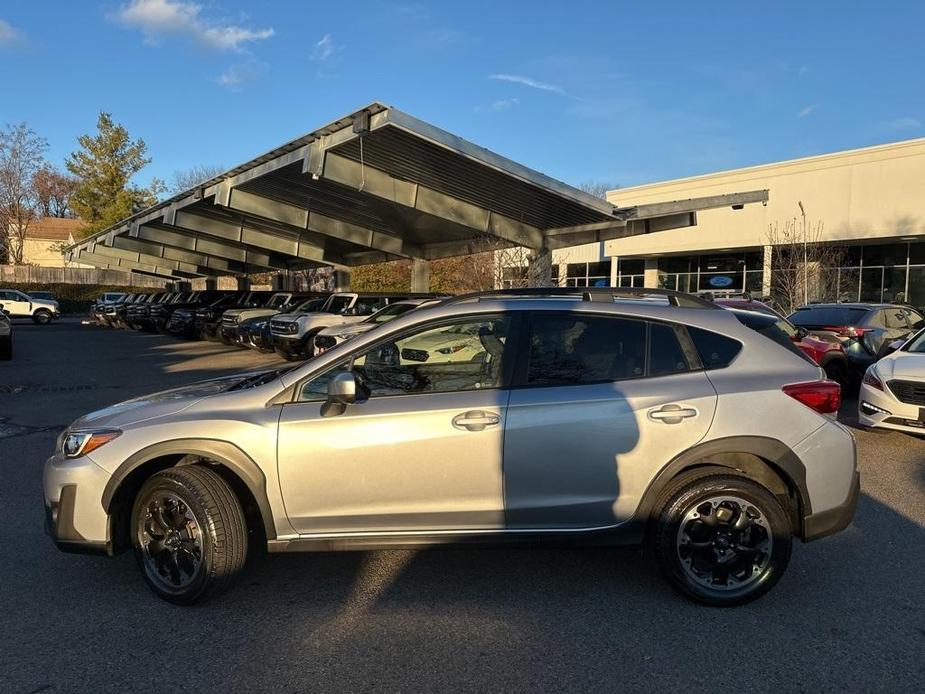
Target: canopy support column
point(420, 275)
point(342, 280)
point(539, 268)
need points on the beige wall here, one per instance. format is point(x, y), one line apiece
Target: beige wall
point(865, 194)
point(42, 252)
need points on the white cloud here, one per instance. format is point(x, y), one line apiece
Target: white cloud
point(236, 76)
point(9, 35)
point(802, 70)
point(806, 110)
point(904, 123)
point(324, 49)
point(158, 19)
point(529, 82)
point(505, 104)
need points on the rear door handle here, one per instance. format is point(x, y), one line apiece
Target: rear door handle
point(672, 414)
point(476, 420)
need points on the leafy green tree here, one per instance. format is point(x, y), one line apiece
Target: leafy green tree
point(104, 166)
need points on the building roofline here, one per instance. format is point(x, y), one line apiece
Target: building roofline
point(769, 166)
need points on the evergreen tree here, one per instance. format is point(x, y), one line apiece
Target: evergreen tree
point(104, 166)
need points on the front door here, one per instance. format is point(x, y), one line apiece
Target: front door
point(422, 449)
point(16, 303)
point(602, 403)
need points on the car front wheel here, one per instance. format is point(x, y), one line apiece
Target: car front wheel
point(721, 539)
point(189, 533)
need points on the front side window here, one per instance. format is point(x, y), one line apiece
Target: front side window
point(464, 355)
point(567, 349)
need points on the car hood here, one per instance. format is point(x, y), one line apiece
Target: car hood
point(168, 402)
point(902, 365)
point(434, 340)
point(247, 313)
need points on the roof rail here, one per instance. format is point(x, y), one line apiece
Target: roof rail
point(601, 294)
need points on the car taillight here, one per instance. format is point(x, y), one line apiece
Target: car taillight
point(822, 396)
point(846, 330)
point(871, 380)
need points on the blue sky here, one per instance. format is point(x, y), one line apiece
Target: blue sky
point(619, 92)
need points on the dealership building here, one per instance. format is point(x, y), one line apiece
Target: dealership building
point(869, 202)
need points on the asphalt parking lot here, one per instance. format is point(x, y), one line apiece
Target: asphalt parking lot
point(849, 614)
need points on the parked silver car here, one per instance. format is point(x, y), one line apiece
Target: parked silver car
point(653, 418)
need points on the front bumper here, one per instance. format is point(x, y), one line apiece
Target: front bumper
point(74, 514)
point(880, 409)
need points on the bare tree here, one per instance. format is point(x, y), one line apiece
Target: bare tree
point(21, 156)
point(53, 191)
point(803, 267)
point(597, 188)
point(192, 177)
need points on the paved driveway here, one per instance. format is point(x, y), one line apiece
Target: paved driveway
point(849, 614)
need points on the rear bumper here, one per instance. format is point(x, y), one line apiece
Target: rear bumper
point(835, 519)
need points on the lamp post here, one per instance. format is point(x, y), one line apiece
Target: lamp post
point(805, 265)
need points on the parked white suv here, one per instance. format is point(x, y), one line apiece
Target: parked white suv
point(16, 304)
point(293, 333)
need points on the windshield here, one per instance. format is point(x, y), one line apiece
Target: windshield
point(309, 306)
point(828, 316)
point(278, 300)
point(391, 311)
point(916, 344)
point(336, 304)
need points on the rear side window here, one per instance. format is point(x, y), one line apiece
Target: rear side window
point(567, 349)
point(828, 316)
point(895, 318)
point(665, 354)
point(716, 351)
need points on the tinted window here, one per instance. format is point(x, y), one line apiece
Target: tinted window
point(716, 351)
point(665, 353)
point(895, 318)
point(462, 356)
point(828, 316)
point(567, 349)
point(914, 319)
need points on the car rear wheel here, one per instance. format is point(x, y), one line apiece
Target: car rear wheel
point(836, 371)
point(189, 533)
point(721, 539)
point(42, 316)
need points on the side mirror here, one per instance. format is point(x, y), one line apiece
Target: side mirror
point(342, 391)
point(343, 388)
point(801, 333)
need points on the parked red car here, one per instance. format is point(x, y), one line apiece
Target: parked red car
point(828, 354)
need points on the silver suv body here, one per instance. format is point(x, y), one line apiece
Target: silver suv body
point(487, 418)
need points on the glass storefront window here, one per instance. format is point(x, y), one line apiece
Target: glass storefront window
point(848, 281)
point(916, 293)
point(871, 283)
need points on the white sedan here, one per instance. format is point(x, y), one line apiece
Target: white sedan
point(892, 394)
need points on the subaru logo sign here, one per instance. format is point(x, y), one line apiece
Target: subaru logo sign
point(720, 281)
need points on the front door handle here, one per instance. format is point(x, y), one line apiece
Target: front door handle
point(476, 420)
point(672, 414)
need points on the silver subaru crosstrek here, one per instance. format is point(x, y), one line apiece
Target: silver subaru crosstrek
point(613, 417)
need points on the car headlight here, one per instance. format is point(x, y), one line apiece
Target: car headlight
point(259, 325)
point(78, 443)
point(871, 379)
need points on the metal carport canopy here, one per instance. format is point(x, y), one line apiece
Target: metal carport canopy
point(374, 186)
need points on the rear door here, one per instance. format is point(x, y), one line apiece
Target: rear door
point(601, 403)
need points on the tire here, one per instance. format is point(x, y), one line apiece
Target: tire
point(6, 348)
point(836, 371)
point(41, 316)
point(196, 527)
point(696, 556)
